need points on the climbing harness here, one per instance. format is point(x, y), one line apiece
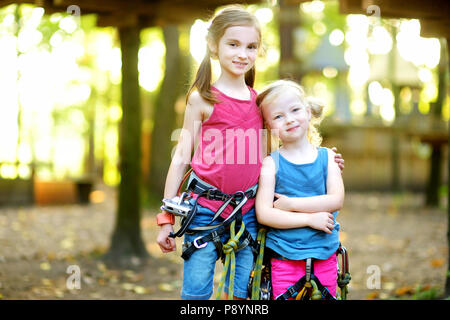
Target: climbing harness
point(185, 206)
point(306, 288)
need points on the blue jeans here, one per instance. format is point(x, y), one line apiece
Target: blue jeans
point(198, 271)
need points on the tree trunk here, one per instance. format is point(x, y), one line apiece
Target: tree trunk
point(447, 281)
point(288, 21)
point(164, 113)
point(127, 248)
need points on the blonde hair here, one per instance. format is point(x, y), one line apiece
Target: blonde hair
point(273, 90)
point(231, 16)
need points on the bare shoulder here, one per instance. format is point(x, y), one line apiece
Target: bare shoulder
point(268, 162)
point(331, 153)
point(331, 159)
point(195, 100)
point(268, 166)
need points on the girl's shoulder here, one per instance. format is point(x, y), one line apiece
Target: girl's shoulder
point(270, 161)
point(327, 151)
point(195, 99)
point(198, 107)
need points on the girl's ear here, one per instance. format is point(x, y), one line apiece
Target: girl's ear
point(212, 48)
point(308, 111)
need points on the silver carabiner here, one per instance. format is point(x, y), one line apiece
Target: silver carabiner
point(199, 246)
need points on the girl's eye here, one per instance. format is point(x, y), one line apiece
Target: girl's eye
point(296, 109)
point(277, 117)
point(252, 47)
point(233, 44)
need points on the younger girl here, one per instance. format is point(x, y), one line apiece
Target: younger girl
point(308, 184)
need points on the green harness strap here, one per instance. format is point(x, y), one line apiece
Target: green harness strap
point(229, 250)
point(261, 239)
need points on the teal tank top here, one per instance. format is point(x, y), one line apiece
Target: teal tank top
point(302, 180)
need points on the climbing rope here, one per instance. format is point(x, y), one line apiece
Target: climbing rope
point(229, 250)
point(342, 284)
point(256, 284)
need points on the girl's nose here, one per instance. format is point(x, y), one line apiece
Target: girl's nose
point(242, 54)
point(289, 118)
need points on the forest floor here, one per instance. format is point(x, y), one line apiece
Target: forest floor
point(397, 250)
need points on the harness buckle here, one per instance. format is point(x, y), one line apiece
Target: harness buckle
point(199, 246)
point(292, 291)
point(211, 194)
point(308, 270)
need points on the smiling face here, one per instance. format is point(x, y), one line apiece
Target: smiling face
point(237, 49)
point(286, 113)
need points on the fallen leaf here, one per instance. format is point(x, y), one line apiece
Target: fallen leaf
point(59, 293)
point(101, 282)
point(127, 286)
point(140, 290)
point(404, 290)
point(163, 271)
point(45, 266)
point(373, 295)
point(101, 267)
point(66, 243)
point(437, 263)
point(165, 287)
point(51, 256)
point(389, 285)
point(46, 282)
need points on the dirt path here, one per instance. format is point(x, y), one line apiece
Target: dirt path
point(392, 235)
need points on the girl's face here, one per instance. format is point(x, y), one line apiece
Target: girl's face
point(287, 114)
point(237, 49)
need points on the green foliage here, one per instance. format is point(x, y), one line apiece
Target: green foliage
point(425, 293)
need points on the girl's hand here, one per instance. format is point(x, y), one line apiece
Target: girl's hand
point(338, 159)
point(166, 243)
point(282, 202)
point(321, 221)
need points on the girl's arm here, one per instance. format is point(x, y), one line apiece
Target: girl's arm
point(183, 151)
point(281, 219)
point(332, 201)
point(180, 162)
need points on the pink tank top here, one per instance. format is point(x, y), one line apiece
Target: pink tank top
point(229, 154)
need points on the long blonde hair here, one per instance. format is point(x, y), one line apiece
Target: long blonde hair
point(231, 16)
point(273, 90)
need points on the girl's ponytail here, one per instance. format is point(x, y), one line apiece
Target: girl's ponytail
point(250, 77)
point(316, 106)
point(202, 81)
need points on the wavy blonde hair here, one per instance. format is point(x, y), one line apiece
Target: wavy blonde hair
point(276, 88)
point(231, 16)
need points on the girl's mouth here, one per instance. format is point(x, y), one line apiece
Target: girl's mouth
point(240, 64)
point(292, 128)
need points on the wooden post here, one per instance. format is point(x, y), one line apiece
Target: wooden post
point(434, 177)
point(127, 247)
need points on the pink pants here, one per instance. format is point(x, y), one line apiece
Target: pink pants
point(287, 272)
